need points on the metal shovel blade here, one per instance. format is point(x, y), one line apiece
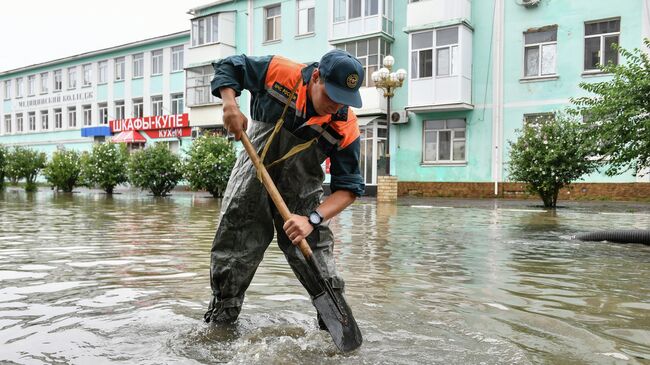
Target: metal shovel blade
point(338, 318)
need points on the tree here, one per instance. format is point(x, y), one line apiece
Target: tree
point(12, 168)
point(3, 166)
point(618, 113)
point(106, 166)
point(550, 154)
point(156, 169)
point(63, 170)
point(209, 163)
point(27, 164)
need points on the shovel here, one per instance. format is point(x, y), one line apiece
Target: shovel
point(331, 305)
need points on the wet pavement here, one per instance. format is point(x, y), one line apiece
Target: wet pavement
point(88, 278)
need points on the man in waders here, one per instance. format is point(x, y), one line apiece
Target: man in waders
point(312, 103)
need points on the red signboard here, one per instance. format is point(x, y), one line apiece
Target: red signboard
point(179, 121)
point(169, 133)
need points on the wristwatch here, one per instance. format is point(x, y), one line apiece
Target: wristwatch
point(315, 218)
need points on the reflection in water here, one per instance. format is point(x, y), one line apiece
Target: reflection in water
point(124, 279)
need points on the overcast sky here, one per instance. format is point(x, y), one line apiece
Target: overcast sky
point(35, 31)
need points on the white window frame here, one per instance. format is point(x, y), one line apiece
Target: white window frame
point(45, 120)
point(156, 62)
point(72, 78)
point(119, 110)
point(72, 117)
point(276, 22)
point(540, 52)
point(102, 110)
point(453, 51)
point(156, 105)
point(453, 138)
point(120, 69)
point(7, 124)
point(31, 85)
point(138, 65)
point(7, 95)
point(138, 108)
point(88, 115)
point(417, 54)
point(303, 9)
point(178, 103)
point(19, 123)
point(102, 72)
point(58, 80)
point(198, 90)
point(177, 62)
point(58, 118)
point(31, 117)
point(45, 80)
point(602, 37)
point(19, 87)
point(205, 30)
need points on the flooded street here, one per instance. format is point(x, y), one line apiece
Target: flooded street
point(90, 279)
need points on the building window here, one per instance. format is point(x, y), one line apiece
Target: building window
point(372, 7)
point(156, 105)
point(537, 119)
point(58, 80)
point(205, 30)
point(32, 121)
point(340, 10)
point(272, 21)
point(354, 11)
point(103, 113)
point(87, 74)
point(19, 122)
point(138, 108)
point(72, 77)
point(447, 51)
point(119, 69)
point(197, 86)
point(7, 89)
point(370, 52)
point(58, 119)
point(72, 117)
point(119, 110)
point(45, 80)
point(540, 52)
point(599, 39)
point(177, 59)
point(19, 87)
point(138, 65)
point(177, 104)
point(102, 68)
point(8, 123)
point(422, 55)
point(88, 115)
point(156, 62)
point(444, 141)
point(31, 85)
point(306, 16)
point(45, 120)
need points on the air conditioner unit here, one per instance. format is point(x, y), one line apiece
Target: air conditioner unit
point(529, 3)
point(399, 117)
point(196, 133)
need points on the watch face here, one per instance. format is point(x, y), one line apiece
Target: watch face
point(314, 218)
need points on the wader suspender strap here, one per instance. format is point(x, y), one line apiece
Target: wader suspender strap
point(295, 149)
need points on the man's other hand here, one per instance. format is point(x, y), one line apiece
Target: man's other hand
point(297, 228)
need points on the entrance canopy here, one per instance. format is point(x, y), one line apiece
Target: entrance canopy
point(129, 137)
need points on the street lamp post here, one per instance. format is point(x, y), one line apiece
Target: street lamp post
point(387, 81)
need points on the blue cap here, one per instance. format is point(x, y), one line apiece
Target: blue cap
point(343, 75)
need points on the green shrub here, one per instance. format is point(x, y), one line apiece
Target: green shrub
point(26, 164)
point(209, 163)
point(156, 169)
point(12, 165)
point(106, 166)
point(63, 170)
point(3, 166)
point(550, 154)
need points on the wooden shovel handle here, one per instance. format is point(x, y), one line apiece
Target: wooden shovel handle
point(272, 190)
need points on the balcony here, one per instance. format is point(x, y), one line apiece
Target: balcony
point(437, 11)
point(355, 18)
point(213, 37)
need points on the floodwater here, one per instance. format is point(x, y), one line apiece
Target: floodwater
point(90, 279)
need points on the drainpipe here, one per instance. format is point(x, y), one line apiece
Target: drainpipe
point(497, 95)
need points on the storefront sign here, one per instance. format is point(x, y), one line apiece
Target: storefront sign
point(150, 123)
point(58, 98)
point(169, 133)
